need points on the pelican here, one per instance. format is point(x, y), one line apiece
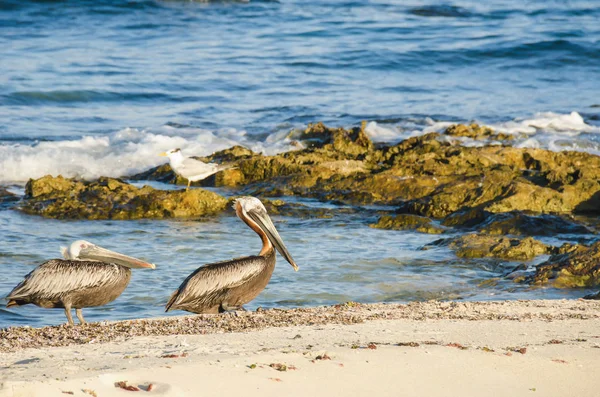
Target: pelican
point(191, 169)
point(225, 286)
point(88, 276)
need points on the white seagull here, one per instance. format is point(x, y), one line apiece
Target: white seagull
point(191, 169)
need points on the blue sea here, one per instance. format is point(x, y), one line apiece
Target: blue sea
point(92, 88)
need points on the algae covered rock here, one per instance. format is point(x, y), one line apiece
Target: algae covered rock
point(49, 186)
point(504, 179)
point(110, 198)
point(514, 223)
point(476, 131)
point(407, 222)
point(353, 142)
point(230, 155)
point(162, 173)
point(575, 266)
point(486, 246)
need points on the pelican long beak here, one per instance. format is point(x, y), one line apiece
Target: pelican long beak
point(97, 253)
point(264, 222)
point(163, 154)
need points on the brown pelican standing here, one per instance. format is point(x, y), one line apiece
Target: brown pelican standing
point(88, 276)
point(223, 286)
point(191, 169)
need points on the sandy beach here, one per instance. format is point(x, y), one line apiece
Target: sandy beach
point(513, 348)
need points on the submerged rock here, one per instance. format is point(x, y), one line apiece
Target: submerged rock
point(301, 211)
point(574, 266)
point(407, 222)
point(109, 198)
point(7, 198)
point(486, 246)
point(595, 296)
point(515, 223)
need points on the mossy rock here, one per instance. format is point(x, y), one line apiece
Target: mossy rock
point(576, 266)
point(486, 246)
point(353, 142)
point(49, 187)
point(110, 198)
point(230, 155)
point(519, 223)
point(514, 223)
point(407, 222)
point(476, 131)
point(162, 173)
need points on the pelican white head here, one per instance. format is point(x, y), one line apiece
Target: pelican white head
point(85, 251)
point(252, 211)
point(75, 249)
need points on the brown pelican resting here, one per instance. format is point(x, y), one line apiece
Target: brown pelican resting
point(88, 276)
point(224, 286)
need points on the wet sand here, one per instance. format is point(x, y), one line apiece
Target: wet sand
point(549, 348)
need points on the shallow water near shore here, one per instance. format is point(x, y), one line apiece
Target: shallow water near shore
point(340, 257)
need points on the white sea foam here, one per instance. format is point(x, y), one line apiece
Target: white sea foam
point(567, 124)
point(553, 131)
point(121, 153)
point(546, 130)
point(131, 150)
point(393, 133)
point(379, 133)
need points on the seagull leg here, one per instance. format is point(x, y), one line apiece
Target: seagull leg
point(80, 316)
point(188, 186)
point(68, 314)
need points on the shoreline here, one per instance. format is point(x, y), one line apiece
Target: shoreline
point(421, 348)
point(23, 337)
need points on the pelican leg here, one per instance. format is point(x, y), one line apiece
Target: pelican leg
point(188, 186)
point(226, 308)
point(80, 316)
point(68, 314)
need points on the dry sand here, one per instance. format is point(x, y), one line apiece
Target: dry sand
point(516, 348)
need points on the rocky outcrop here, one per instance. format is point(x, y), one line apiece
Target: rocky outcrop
point(109, 198)
point(503, 179)
point(573, 266)
point(407, 222)
point(477, 132)
point(427, 175)
point(486, 246)
point(491, 189)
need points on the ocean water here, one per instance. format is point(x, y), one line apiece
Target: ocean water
point(91, 88)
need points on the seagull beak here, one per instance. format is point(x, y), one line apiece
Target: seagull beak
point(163, 154)
point(97, 253)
